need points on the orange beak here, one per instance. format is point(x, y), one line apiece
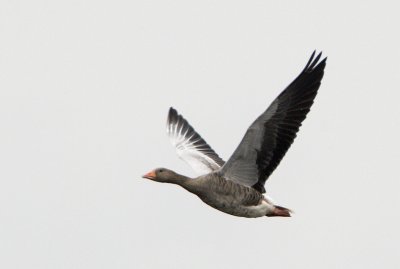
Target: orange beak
point(150, 175)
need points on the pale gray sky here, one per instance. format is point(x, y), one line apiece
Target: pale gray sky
point(85, 87)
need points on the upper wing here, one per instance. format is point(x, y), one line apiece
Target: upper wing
point(270, 136)
point(190, 146)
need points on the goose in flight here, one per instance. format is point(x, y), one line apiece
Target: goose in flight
point(236, 186)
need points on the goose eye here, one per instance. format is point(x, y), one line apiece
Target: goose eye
point(161, 170)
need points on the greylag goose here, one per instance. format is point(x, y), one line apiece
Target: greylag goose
point(236, 187)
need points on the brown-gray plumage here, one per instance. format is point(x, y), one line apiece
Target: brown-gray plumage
point(236, 187)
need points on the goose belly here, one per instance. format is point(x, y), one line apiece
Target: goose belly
point(227, 205)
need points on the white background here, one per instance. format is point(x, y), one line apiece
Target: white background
point(85, 87)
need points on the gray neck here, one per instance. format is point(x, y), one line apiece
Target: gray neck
point(185, 182)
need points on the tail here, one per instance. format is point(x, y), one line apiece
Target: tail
point(279, 211)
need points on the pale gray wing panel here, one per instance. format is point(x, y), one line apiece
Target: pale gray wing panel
point(242, 165)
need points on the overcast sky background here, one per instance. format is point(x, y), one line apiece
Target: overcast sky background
point(85, 88)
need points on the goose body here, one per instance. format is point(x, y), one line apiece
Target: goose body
point(230, 197)
point(236, 187)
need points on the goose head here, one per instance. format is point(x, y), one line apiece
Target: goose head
point(162, 175)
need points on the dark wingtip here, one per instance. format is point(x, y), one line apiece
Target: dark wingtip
point(309, 61)
point(172, 110)
point(314, 62)
point(172, 115)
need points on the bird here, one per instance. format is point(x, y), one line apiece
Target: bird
point(236, 187)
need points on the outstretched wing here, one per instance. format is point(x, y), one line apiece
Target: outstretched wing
point(189, 145)
point(270, 136)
